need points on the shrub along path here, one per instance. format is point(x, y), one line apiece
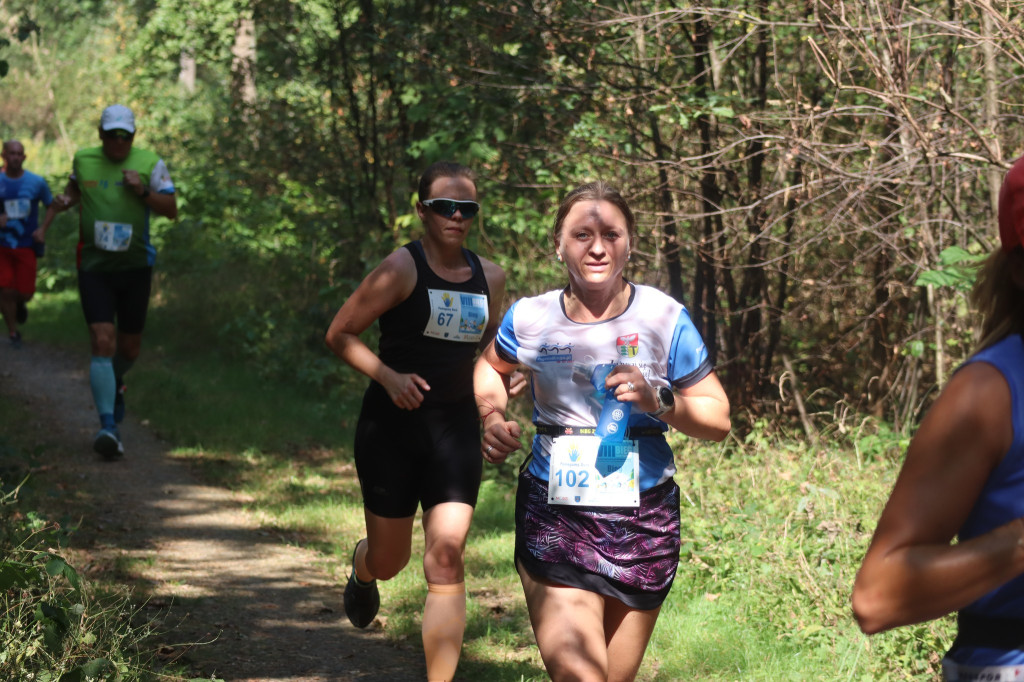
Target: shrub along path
point(267, 609)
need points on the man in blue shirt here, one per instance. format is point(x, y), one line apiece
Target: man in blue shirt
point(20, 194)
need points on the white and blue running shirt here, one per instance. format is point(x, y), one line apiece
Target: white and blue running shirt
point(654, 333)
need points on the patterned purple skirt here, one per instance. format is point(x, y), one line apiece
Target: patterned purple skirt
point(627, 554)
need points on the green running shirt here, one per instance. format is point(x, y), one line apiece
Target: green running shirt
point(113, 220)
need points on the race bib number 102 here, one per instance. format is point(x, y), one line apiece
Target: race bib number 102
point(586, 472)
point(456, 316)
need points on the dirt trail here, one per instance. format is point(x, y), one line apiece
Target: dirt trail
point(271, 612)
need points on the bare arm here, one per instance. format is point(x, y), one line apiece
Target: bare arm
point(701, 410)
point(161, 204)
point(491, 386)
point(496, 295)
point(72, 194)
point(60, 203)
point(390, 283)
point(911, 572)
point(51, 212)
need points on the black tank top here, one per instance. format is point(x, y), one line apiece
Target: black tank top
point(435, 332)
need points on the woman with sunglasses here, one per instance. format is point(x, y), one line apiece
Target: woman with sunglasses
point(613, 365)
point(963, 476)
point(418, 439)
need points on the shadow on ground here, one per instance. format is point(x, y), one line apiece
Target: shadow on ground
point(263, 610)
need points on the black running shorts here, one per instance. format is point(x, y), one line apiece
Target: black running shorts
point(426, 456)
point(123, 294)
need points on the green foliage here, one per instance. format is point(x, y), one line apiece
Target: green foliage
point(801, 221)
point(51, 628)
point(957, 269)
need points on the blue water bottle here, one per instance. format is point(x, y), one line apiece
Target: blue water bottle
point(614, 419)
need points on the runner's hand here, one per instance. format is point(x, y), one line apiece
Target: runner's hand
point(132, 181)
point(631, 387)
point(406, 390)
point(500, 440)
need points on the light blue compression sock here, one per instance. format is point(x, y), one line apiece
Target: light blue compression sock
point(121, 366)
point(101, 378)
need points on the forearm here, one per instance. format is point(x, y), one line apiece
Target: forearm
point(491, 389)
point(705, 417)
point(44, 226)
point(922, 582)
point(165, 205)
point(73, 195)
point(358, 355)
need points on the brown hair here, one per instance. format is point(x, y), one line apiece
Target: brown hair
point(999, 296)
point(596, 191)
point(443, 169)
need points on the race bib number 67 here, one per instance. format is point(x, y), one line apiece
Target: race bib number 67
point(456, 316)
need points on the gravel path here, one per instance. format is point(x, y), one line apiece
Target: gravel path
point(267, 608)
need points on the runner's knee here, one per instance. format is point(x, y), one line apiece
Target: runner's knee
point(443, 563)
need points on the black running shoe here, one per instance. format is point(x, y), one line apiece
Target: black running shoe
point(21, 312)
point(16, 340)
point(362, 600)
point(107, 443)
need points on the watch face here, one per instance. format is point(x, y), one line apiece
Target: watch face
point(665, 396)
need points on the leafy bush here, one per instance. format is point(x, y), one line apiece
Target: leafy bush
point(51, 627)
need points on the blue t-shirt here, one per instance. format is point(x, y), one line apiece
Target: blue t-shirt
point(21, 197)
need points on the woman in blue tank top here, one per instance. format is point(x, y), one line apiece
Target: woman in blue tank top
point(964, 477)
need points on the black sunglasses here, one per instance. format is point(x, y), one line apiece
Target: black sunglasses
point(118, 135)
point(448, 207)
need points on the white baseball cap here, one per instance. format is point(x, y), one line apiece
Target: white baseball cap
point(117, 117)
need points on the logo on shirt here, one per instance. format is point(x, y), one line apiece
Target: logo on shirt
point(554, 352)
point(628, 345)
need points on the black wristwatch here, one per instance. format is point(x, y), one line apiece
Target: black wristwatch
point(666, 400)
point(145, 193)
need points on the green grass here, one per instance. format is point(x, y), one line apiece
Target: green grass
point(773, 529)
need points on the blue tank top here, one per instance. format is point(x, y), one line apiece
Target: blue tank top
point(1001, 501)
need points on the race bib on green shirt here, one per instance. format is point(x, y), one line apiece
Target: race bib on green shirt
point(110, 236)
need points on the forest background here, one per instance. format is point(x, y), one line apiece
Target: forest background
point(812, 180)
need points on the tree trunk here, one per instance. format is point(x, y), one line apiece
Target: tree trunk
point(243, 63)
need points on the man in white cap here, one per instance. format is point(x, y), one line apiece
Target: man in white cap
point(117, 188)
